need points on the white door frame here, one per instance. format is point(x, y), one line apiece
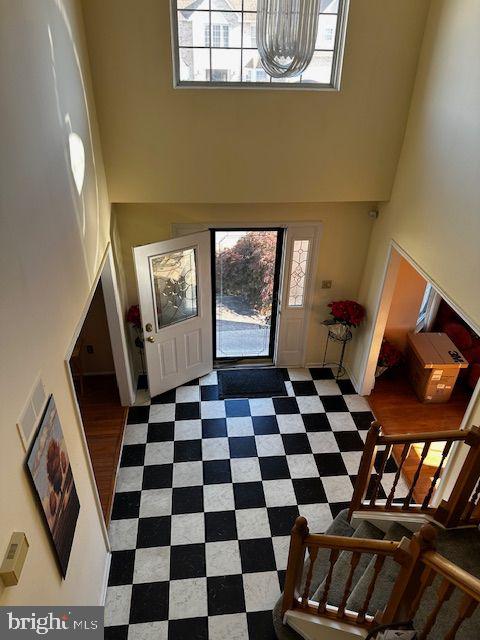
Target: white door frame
point(116, 327)
point(181, 228)
point(117, 332)
point(367, 377)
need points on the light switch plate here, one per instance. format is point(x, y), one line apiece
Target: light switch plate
point(31, 412)
point(14, 559)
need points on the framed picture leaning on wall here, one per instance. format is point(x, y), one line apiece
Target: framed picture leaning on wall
point(49, 467)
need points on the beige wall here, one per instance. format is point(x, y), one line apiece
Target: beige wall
point(343, 245)
point(95, 334)
point(214, 145)
point(406, 301)
point(434, 211)
point(52, 243)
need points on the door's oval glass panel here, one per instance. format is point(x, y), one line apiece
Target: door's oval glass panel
point(174, 280)
point(298, 273)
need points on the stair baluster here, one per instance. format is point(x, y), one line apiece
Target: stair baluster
point(348, 585)
point(463, 505)
point(312, 551)
point(379, 562)
point(403, 457)
point(444, 593)
point(365, 468)
point(419, 565)
point(322, 605)
point(450, 511)
point(426, 581)
point(406, 585)
point(473, 503)
point(378, 482)
point(467, 608)
point(408, 499)
point(296, 558)
point(436, 476)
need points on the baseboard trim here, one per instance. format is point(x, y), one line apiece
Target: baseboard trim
point(354, 381)
point(106, 574)
point(89, 374)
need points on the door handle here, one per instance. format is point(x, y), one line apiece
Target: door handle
point(151, 339)
point(148, 326)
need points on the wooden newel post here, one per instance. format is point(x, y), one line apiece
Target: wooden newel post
point(450, 511)
point(406, 588)
point(296, 556)
point(365, 468)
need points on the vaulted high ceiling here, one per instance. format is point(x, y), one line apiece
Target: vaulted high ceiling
point(163, 144)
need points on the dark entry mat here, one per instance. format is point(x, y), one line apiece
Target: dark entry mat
point(251, 383)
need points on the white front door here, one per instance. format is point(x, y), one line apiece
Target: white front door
point(174, 286)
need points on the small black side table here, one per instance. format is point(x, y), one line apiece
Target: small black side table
point(343, 337)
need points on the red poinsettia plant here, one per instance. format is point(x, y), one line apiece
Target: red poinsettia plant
point(347, 312)
point(133, 316)
point(389, 355)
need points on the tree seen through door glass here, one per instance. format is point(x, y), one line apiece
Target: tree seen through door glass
point(245, 264)
point(174, 277)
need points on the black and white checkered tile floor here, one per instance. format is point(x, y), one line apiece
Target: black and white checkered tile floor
point(206, 496)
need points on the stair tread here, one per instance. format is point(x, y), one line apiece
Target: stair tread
point(342, 566)
point(460, 546)
point(339, 527)
point(385, 579)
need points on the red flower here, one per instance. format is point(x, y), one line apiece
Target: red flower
point(348, 312)
point(389, 354)
point(133, 316)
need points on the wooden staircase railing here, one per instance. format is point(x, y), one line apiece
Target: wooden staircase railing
point(450, 579)
point(297, 596)
point(462, 507)
point(419, 566)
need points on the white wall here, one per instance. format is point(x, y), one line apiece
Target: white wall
point(51, 246)
point(95, 334)
point(406, 301)
point(434, 210)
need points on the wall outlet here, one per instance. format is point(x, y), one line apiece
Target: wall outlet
point(89, 348)
point(326, 284)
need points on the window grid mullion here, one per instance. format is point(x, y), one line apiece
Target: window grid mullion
point(224, 36)
point(211, 36)
point(241, 44)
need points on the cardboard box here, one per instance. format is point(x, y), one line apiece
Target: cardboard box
point(434, 363)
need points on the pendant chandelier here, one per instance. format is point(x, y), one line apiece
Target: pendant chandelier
point(286, 35)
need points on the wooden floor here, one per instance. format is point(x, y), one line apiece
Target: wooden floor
point(397, 408)
point(104, 420)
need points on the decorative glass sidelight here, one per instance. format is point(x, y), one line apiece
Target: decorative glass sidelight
point(298, 273)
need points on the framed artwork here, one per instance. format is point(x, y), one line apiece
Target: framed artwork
point(49, 467)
